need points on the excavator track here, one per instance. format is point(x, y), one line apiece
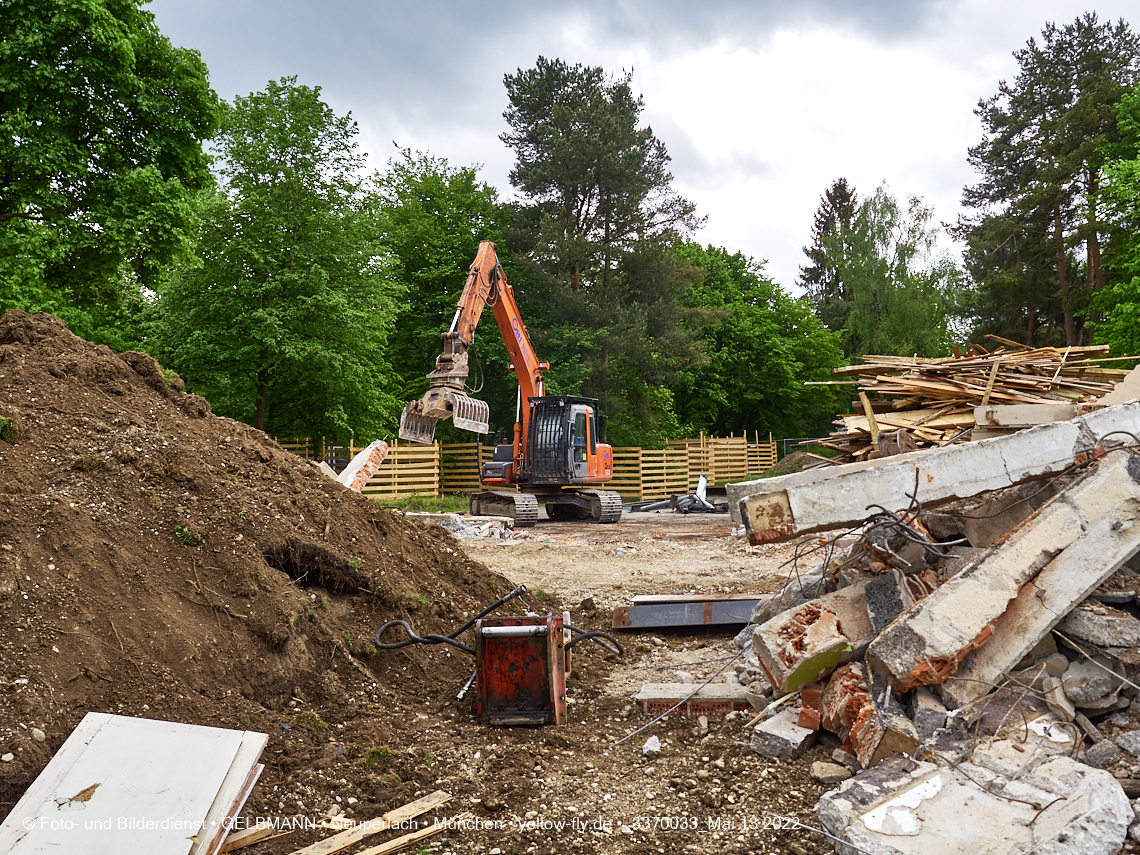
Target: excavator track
point(521, 507)
point(608, 504)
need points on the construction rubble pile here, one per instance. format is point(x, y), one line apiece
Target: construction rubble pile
point(905, 404)
point(966, 638)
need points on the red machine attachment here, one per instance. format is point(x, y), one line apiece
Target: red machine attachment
point(520, 668)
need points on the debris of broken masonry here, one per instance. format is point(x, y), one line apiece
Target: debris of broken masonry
point(974, 630)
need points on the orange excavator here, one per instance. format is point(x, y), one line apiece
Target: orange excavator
point(555, 451)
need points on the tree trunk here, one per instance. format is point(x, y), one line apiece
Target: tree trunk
point(575, 276)
point(263, 378)
point(1031, 326)
point(1063, 277)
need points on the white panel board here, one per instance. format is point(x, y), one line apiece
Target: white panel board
point(123, 784)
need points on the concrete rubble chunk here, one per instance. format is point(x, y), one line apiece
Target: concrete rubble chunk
point(1126, 390)
point(1103, 754)
point(992, 804)
point(927, 643)
point(1086, 681)
point(866, 716)
point(1057, 700)
point(780, 738)
point(927, 712)
point(822, 499)
point(806, 642)
point(1102, 625)
point(1130, 742)
point(829, 773)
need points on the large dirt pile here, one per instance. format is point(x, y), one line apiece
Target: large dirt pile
point(157, 560)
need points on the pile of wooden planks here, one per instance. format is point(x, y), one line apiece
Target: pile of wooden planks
point(920, 403)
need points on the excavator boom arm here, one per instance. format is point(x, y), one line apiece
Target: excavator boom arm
point(486, 284)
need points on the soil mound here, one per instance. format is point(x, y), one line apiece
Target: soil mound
point(157, 560)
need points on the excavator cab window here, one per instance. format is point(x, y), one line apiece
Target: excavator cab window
point(593, 434)
point(579, 437)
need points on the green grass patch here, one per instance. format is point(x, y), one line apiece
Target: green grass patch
point(457, 504)
point(310, 720)
point(374, 756)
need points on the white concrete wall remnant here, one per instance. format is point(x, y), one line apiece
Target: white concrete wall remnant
point(821, 499)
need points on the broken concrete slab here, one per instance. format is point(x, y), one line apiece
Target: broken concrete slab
point(716, 700)
point(1041, 602)
point(1126, 390)
point(818, 500)
point(1023, 415)
point(990, 521)
point(906, 807)
point(1103, 755)
point(806, 642)
point(1099, 510)
point(780, 738)
point(886, 597)
point(1101, 625)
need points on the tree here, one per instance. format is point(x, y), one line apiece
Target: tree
point(832, 233)
point(432, 217)
point(101, 130)
point(284, 322)
point(595, 236)
point(1040, 160)
point(883, 282)
point(761, 346)
point(598, 184)
point(1119, 302)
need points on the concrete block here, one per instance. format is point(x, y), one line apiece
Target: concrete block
point(1102, 625)
point(886, 597)
point(806, 642)
point(926, 644)
point(1023, 415)
point(1084, 682)
point(1060, 806)
point(835, 497)
point(927, 712)
point(780, 738)
point(958, 559)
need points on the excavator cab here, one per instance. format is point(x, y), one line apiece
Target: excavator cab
point(562, 445)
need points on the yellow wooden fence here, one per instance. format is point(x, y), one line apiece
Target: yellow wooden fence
point(640, 474)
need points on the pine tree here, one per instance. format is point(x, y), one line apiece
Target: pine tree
point(822, 278)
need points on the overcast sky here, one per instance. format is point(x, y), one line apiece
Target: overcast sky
point(761, 104)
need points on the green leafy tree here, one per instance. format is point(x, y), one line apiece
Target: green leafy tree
point(887, 287)
point(761, 346)
point(432, 217)
point(1119, 302)
point(284, 322)
point(1041, 164)
point(101, 130)
point(902, 289)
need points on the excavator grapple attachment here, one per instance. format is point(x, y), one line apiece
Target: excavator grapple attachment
point(419, 418)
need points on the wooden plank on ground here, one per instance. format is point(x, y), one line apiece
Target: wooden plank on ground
point(345, 839)
point(248, 837)
point(416, 836)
